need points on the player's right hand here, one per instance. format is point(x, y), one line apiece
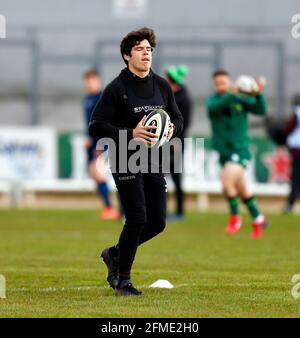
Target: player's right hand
point(142, 133)
point(234, 89)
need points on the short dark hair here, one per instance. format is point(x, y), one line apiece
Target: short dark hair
point(91, 73)
point(219, 72)
point(134, 38)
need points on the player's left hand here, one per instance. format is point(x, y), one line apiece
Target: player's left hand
point(171, 131)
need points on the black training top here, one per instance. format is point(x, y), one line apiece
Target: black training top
point(184, 104)
point(127, 99)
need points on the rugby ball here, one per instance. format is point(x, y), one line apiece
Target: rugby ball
point(161, 120)
point(247, 85)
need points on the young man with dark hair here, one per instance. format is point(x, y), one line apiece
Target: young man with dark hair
point(123, 107)
point(228, 113)
point(92, 84)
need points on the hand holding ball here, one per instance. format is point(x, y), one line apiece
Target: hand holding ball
point(247, 85)
point(155, 128)
point(164, 128)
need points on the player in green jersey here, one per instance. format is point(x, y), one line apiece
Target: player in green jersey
point(228, 113)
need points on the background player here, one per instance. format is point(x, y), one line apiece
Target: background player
point(96, 160)
point(176, 79)
point(292, 132)
point(227, 111)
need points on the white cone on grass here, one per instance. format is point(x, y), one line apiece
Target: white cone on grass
point(163, 284)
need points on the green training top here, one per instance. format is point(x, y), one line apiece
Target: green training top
point(229, 120)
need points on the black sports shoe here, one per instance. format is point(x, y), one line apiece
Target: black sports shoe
point(112, 264)
point(127, 289)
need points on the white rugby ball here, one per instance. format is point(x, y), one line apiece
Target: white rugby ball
point(161, 120)
point(247, 84)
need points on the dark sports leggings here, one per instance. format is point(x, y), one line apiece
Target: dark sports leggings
point(178, 191)
point(143, 198)
point(177, 179)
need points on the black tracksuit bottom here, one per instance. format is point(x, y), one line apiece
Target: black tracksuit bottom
point(177, 179)
point(143, 198)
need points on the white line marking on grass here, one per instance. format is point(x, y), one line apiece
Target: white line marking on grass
point(78, 288)
point(58, 289)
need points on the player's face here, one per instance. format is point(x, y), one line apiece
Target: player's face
point(222, 84)
point(92, 84)
point(141, 56)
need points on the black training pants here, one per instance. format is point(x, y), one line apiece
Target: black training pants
point(143, 198)
point(177, 178)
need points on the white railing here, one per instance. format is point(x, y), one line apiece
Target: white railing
point(16, 188)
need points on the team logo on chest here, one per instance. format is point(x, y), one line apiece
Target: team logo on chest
point(145, 109)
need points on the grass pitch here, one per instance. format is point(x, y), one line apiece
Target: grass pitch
point(51, 265)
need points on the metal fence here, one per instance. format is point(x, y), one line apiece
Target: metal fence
point(104, 53)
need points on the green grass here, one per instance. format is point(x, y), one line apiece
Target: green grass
point(50, 261)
